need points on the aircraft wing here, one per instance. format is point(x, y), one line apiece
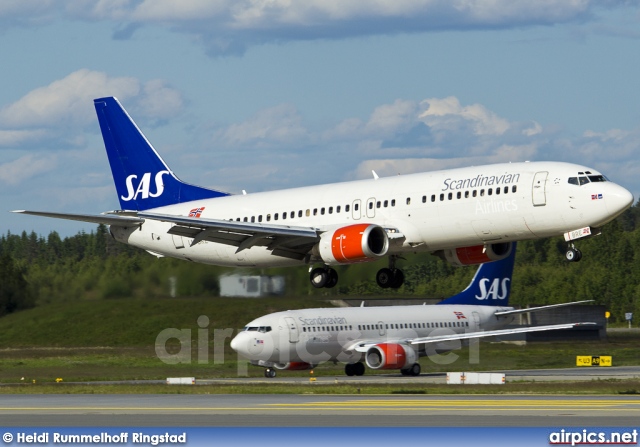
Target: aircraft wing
point(106, 219)
point(481, 334)
point(536, 309)
point(284, 240)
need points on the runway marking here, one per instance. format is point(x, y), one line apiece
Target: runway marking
point(382, 404)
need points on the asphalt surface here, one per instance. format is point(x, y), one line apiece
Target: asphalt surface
point(336, 410)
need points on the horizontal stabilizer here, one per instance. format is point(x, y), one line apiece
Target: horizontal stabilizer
point(106, 219)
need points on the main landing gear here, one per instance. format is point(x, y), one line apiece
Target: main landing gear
point(354, 369)
point(323, 277)
point(413, 370)
point(391, 277)
point(269, 373)
point(573, 254)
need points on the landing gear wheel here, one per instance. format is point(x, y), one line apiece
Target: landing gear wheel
point(323, 277)
point(349, 369)
point(414, 370)
point(398, 278)
point(332, 279)
point(358, 369)
point(319, 277)
point(390, 278)
point(573, 255)
point(384, 278)
point(269, 373)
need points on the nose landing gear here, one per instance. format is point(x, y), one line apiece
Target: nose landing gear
point(573, 254)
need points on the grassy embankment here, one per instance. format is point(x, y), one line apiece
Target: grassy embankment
point(115, 340)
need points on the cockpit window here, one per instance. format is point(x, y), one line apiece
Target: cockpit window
point(573, 181)
point(597, 178)
point(583, 180)
point(264, 329)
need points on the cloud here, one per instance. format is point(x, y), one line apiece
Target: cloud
point(56, 115)
point(229, 27)
point(26, 167)
point(276, 128)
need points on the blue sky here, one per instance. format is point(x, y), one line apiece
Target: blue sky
point(270, 94)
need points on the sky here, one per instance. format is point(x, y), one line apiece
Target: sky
point(259, 95)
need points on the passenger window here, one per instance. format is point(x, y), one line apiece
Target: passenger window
point(346, 208)
point(459, 195)
point(466, 194)
point(497, 191)
point(514, 188)
point(338, 209)
point(268, 217)
point(393, 202)
point(260, 218)
point(253, 219)
point(330, 210)
point(450, 195)
point(370, 205)
point(441, 197)
point(433, 197)
point(506, 189)
point(408, 200)
point(475, 193)
point(322, 211)
point(315, 211)
point(490, 191)
point(386, 203)
point(356, 207)
point(308, 213)
point(378, 204)
point(424, 199)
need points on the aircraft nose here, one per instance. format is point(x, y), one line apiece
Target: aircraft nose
point(235, 343)
point(618, 200)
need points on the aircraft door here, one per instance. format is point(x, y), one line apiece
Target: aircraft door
point(476, 321)
point(371, 207)
point(177, 241)
point(294, 335)
point(356, 212)
point(539, 194)
point(381, 329)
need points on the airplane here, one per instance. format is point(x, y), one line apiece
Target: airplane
point(467, 216)
point(387, 337)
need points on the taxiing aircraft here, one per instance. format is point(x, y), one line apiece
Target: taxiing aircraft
point(467, 216)
point(387, 337)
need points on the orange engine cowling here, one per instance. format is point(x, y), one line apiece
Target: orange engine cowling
point(293, 366)
point(390, 356)
point(478, 254)
point(354, 243)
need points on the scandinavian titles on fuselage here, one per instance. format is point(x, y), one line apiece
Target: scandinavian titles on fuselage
point(322, 320)
point(480, 180)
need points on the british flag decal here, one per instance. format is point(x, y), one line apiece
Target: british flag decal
point(596, 196)
point(196, 212)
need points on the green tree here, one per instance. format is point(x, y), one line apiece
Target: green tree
point(14, 293)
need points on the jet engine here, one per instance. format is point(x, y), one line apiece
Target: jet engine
point(390, 356)
point(351, 244)
point(478, 254)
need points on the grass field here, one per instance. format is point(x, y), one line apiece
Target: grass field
point(115, 340)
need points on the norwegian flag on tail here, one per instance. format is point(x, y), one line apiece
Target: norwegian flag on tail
point(196, 212)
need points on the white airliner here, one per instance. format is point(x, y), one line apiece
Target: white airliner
point(466, 216)
point(391, 337)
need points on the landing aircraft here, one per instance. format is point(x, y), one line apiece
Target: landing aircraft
point(387, 337)
point(467, 216)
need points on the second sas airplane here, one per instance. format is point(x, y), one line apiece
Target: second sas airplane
point(467, 216)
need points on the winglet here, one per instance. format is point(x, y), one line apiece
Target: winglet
point(143, 180)
point(491, 285)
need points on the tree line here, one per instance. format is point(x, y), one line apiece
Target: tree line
point(87, 266)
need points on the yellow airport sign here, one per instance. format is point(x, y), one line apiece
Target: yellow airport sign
point(593, 360)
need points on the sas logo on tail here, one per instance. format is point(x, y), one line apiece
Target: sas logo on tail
point(143, 188)
point(498, 289)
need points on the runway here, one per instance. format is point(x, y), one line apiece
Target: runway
point(326, 410)
point(318, 410)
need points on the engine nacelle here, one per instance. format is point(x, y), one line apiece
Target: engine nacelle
point(293, 366)
point(354, 243)
point(478, 254)
point(390, 356)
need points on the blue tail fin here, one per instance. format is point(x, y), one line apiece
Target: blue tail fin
point(491, 285)
point(143, 180)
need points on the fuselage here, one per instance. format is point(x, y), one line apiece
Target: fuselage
point(429, 211)
point(313, 336)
